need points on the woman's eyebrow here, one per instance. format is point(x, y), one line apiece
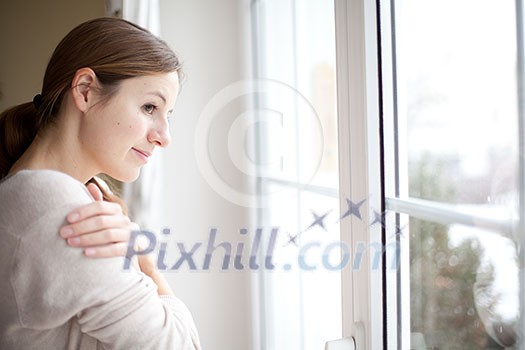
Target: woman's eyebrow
point(159, 94)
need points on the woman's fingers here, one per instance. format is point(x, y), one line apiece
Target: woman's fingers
point(109, 237)
point(96, 244)
point(93, 209)
point(95, 192)
point(100, 228)
point(94, 224)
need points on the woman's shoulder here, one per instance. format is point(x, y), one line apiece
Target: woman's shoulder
point(43, 183)
point(37, 192)
point(32, 175)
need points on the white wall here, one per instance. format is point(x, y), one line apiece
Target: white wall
point(210, 36)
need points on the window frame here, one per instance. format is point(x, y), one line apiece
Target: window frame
point(370, 134)
point(360, 165)
point(396, 196)
point(520, 18)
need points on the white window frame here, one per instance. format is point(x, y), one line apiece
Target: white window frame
point(359, 164)
point(370, 167)
point(520, 18)
point(396, 188)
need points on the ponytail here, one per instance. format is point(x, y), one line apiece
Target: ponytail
point(18, 128)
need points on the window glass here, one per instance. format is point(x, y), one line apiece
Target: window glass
point(297, 43)
point(458, 99)
point(455, 93)
point(302, 293)
point(298, 170)
point(463, 287)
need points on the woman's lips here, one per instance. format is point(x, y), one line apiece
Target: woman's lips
point(144, 155)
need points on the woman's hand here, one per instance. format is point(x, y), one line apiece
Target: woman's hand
point(100, 228)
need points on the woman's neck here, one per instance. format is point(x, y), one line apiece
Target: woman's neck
point(55, 149)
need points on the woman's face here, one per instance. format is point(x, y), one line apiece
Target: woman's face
point(120, 134)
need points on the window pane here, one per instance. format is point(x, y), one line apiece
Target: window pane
point(458, 100)
point(297, 133)
point(463, 287)
point(298, 103)
point(302, 305)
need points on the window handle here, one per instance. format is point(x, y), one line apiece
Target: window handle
point(341, 344)
point(355, 342)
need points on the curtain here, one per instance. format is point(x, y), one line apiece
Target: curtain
point(145, 13)
point(144, 195)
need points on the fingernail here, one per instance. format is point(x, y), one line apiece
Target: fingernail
point(89, 251)
point(66, 231)
point(73, 217)
point(73, 241)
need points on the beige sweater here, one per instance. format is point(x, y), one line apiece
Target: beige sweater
point(53, 297)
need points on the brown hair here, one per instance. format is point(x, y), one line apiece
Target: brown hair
point(113, 48)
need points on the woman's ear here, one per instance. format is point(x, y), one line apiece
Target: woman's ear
point(83, 88)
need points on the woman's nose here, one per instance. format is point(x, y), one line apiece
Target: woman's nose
point(159, 134)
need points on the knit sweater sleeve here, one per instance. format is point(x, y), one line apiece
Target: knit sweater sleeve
point(54, 282)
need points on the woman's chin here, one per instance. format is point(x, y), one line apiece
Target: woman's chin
point(127, 176)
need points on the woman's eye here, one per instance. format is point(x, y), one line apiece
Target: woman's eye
point(149, 108)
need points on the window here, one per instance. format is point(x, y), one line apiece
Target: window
point(430, 122)
point(452, 169)
point(430, 108)
point(297, 154)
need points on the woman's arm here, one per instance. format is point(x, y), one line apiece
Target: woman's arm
point(102, 230)
point(56, 283)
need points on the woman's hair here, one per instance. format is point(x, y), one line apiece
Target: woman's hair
point(113, 48)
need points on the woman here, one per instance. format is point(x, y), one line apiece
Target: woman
point(108, 90)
